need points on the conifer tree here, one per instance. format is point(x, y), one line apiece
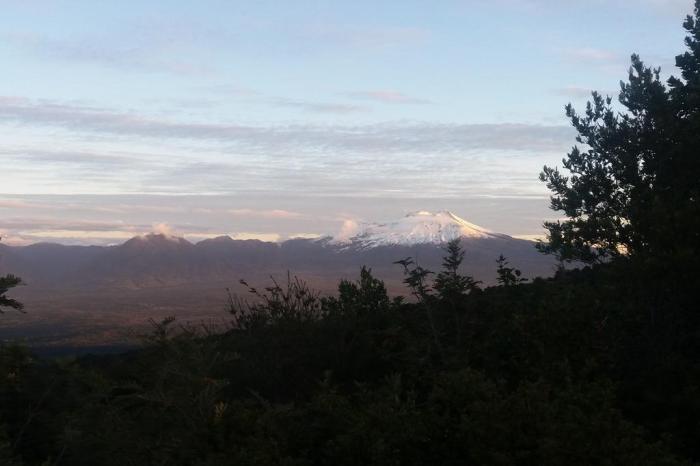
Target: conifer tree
point(449, 283)
point(634, 183)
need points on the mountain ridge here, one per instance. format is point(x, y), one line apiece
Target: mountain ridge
point(156, 259)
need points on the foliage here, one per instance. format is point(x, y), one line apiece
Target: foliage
point(634, 186)
point(595, 366)
point(6, 284)
point(293, 303)
point(449, 283)
point(416, 278)
point(508, 276)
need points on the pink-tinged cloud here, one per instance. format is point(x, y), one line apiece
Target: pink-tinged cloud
point(349, 229)
point(163, 229)
point(11, 239)
point(15, 204)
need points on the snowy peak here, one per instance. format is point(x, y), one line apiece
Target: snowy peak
point(420, 227)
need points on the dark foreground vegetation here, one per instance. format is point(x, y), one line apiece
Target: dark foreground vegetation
point(596, 366)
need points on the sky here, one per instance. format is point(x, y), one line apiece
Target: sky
point(274, 119)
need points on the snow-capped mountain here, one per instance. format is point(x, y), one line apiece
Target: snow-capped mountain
point(420, 227)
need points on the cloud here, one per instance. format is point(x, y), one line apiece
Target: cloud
point(11, 239)
point(82, 158)
point(532, 237)
point(319, 107)
point(139, 46)
point(163, 229)
point(387, 97)
point(268, 214)
point(48, 223)
point(303, 236)
point(348, 230)
point(20, 231)
point(366, 38)
point(80, 149)
point(17, 204)
point(396, 137)
point(56, 223)
point(257, 235)
point(73, 236)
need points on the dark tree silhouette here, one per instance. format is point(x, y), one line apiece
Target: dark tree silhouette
point(508, 276)
point(449, 283)
point(364, 296)
point(6, 283)
point(634, 184)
